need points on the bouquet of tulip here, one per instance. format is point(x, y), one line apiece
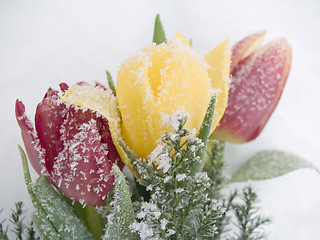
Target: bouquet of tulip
point(144, 160)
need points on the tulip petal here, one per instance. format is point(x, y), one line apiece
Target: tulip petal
point(82, 170)
point(104, 103)
point(257, 85)
point(31, 141)
point(245, 47)
point(48, 119)
point(182, 38)
point(136, 98)
point(219, 61)
point(64, 87)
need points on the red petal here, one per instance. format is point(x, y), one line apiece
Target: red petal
point(82, 83)
point(100, 85)
point(48, 120)
point(244, 48)
point(64, 87)
point(34, 150)
point(106, 138)
point(256, 88)
point(82, 171)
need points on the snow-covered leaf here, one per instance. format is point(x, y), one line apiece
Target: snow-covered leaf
point(269, 164)
point(44, 226)
point(122, 215)
point(204, 133)
point(56, 218)
point(40, 223)
point(65, 221)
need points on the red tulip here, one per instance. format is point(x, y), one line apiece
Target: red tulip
point(258, 78)
point(71, 146)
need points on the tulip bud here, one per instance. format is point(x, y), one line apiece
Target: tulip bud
point(71, 146)
point(163, 79)
point(258, 78)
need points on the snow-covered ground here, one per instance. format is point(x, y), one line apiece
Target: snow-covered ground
point(43, 43)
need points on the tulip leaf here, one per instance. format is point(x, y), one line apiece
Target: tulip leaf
point(204, 133)
point(42, 228)
point(111, 83)
point(269, 164)
point(58, 221)
point(133, 158)
point(59, 212)
point(94, 221)
point(158, 35)
point(47, 227)
point(122, 215)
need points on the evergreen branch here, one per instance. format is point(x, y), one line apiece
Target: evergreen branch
point(3, 232)
point(31, 234)
point(249, 221)
point(121, 217)
point(16, 218)
point(179, 207)
point(21, 230)
point(214, 166)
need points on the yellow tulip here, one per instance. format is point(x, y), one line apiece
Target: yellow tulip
point(163, 79)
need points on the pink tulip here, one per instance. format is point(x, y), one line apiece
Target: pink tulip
point(71, 146)
point(259, 75)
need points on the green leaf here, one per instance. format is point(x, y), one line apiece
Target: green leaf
point(57, 219)
point(204, 133)
point(269, 164)
point(110, 83)
point(48, 227)
point(41, 227)
point(94, 221)
point(190, 42)
point(27, 177)
point(158, 34)
point(68, 225)
point(133, 158)
point(122, 212)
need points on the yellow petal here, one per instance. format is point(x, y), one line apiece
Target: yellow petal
point(104, 103)
point(219, 61)
point(182, 38)
point(137, 107)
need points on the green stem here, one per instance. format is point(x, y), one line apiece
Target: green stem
point(94, 222)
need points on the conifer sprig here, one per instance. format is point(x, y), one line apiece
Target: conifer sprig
point(19, 228)
point(179, 207)
point(249, 221)
point(3, 229)
point(16, 218)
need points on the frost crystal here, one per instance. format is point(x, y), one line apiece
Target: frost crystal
point(174, 120)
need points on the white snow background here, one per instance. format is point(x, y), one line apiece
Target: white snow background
point(43, 43)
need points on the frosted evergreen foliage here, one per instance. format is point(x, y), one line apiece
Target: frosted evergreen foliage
point(179, 205)
point(185, 203)
point(19, 227)
point(122, 216)
point(249, 221)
